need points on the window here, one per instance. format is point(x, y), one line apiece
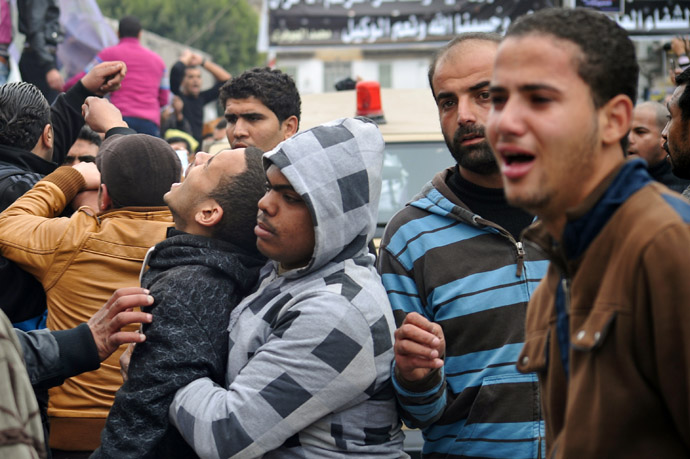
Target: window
point(386, 74)
point(334, 72)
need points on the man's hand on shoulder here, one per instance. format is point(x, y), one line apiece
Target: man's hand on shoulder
point(105, 77)
point(101, 115)
point(117, 312)
point(419, 347)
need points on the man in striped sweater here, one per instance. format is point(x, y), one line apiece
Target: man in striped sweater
point(459, 280)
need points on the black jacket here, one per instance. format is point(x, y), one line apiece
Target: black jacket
point(195, 282)
point(39, 20)
point(662, 172)
point(19, 172)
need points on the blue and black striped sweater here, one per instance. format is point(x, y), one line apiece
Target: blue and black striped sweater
point(474, 279)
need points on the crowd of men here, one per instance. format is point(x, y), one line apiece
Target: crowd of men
point(529, 302)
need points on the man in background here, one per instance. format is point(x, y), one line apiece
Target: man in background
point(85, 148)
point(262, 108)
point(677, 131)
point(39, 20)
point(185, 82)
point(644, 140)
point(146, 89)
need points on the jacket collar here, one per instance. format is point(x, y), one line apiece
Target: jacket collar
point(585, 221)
point(25, 160)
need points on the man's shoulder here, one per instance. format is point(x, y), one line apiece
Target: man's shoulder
point(654, 206)
point(644, 218)
point(426, 212)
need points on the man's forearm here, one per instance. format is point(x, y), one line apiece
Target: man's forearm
point(66, 119)
point(53, 356)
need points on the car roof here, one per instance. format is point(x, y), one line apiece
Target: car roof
point(411, 114)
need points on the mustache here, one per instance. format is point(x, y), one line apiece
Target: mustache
point(665, 147)
point(468, 130)
point(261, 218)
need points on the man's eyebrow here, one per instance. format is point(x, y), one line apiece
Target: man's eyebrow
point(250, 114)
point(527, 88)
point(480, 85)
point(448, 94)
point(444, 95)
point(537, 87)
point(281, 187)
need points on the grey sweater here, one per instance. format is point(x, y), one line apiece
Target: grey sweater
point(310, 352)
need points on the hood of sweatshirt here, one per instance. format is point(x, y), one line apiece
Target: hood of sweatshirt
point(336, 168)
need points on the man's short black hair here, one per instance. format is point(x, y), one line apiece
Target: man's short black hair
point(483, 36)
point(129, 27)
point(239, 196)
point(275, 89)
point(24, 112)
point(607, 63)
point(91, 136)
point(684, 99)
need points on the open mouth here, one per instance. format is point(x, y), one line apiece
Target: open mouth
point(517, 163)
point(517, 158)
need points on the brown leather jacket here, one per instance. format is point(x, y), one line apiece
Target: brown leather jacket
point(80, 261)
point(628, 297)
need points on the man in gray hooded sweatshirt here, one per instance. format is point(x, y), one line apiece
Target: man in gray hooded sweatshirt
point(310, 351)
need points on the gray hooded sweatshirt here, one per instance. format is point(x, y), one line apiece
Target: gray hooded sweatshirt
point(311, 350)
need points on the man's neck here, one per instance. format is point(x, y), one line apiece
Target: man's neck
point(555, 220)
point(484, 180)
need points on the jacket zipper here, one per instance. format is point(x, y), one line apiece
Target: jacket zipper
point(520, 258)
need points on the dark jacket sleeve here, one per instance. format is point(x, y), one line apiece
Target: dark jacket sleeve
point(38, 20)
point(176, 76)
point(53, 356)
point(66, 119)
point(26, 298)
point(187, 340)
point(211, 94)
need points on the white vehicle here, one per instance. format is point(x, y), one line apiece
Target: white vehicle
point(415, 149)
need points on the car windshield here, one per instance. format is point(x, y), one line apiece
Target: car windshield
point(407, 166)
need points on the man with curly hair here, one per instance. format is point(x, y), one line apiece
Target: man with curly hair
point(262, 108)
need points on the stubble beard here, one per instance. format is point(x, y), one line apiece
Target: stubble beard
point(478, 158)
point(680, 158)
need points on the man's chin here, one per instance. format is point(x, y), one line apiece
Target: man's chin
point(479, 160)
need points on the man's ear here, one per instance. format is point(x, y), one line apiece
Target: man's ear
point(209, 214)
point(47, 136)
point(104, 201)
point(615, 119)
point(289, 127)
point(44, 144)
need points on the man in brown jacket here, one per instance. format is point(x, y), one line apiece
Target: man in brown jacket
point(81, 260)
point(608, 329)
